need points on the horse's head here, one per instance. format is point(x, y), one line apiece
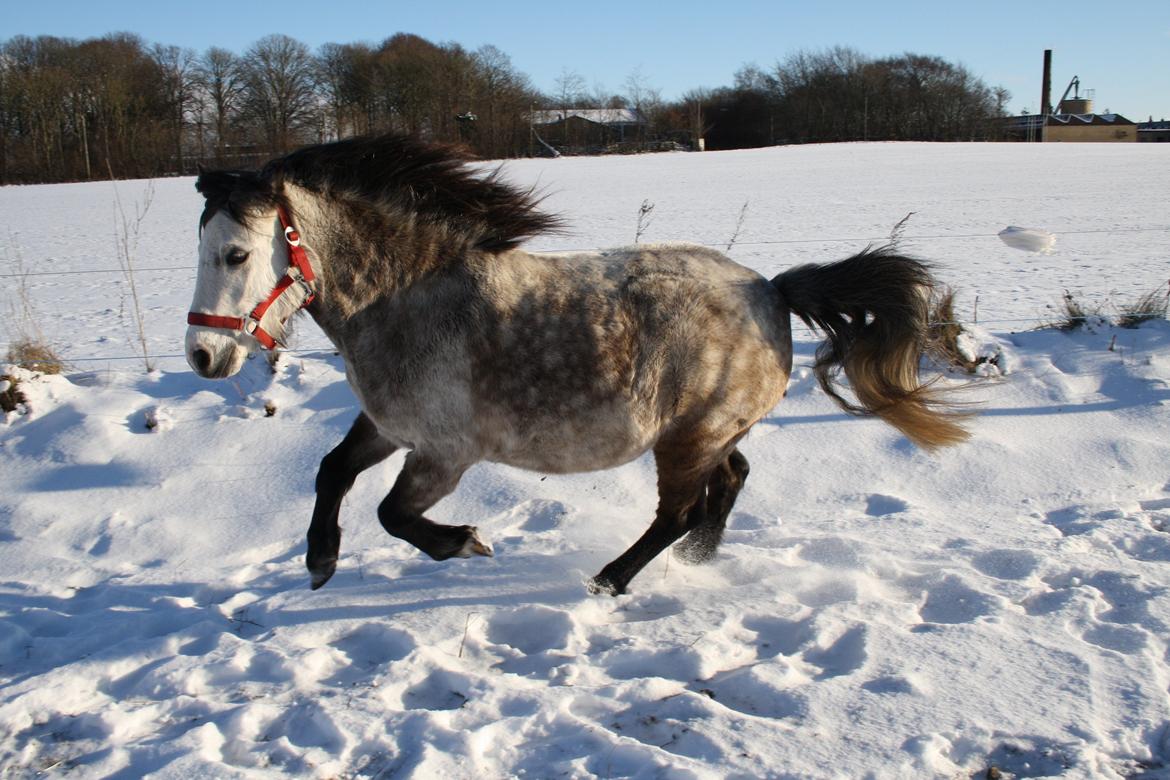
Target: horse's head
point(244, 277)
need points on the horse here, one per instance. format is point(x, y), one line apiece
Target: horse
point(461, 347)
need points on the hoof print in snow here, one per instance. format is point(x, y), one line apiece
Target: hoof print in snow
point(952, 601)
point(1007, 564)
point(157, 419)
point(542, 515)
point(532, 629)
point(877, 505)
point(438, 691)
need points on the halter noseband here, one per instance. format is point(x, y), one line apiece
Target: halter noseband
point(297, 281)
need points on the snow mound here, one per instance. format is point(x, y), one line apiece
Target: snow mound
point(1028, 239)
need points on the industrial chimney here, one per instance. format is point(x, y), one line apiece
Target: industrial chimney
point(1046, 95)
point(1046, 87)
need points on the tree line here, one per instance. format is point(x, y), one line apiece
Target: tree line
point(118, 106)
point(841, 94)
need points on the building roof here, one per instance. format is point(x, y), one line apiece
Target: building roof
point(601, 116)
point(1034, 121)
point(1076, 120)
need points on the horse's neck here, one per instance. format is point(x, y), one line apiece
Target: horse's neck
point(365, 260)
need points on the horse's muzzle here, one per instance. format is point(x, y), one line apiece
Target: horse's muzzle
point(211, 363)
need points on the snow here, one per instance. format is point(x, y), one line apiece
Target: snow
point(875, 611)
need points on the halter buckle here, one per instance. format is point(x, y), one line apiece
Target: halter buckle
point(307, 289)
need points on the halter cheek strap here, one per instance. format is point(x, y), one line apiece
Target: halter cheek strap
point(297, 284)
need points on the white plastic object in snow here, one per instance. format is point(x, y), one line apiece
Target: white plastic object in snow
point(1028, 239)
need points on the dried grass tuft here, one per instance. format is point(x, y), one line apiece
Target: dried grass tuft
point(33, 355)
point(1151, 306)
point(943, 335)
point(1072, 314)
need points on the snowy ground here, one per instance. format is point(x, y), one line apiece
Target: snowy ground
point(875, 611)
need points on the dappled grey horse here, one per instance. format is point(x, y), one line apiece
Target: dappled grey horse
point(461, 347)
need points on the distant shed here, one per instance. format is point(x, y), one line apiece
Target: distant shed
point(1153, 132)
point(588, 130)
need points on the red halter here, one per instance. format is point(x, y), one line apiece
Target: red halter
point(296, 281)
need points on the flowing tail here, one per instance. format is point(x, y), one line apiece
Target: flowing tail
point(875, 308)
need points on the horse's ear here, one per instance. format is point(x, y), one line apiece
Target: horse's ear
point(216, 185)
point(219, 186)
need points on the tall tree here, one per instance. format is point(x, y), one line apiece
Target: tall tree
point(279, 90)
point(178, 70)
point(504, 98)
point(220, 78)
point(646, 99)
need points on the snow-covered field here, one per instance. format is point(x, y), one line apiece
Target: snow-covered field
point(875, 611)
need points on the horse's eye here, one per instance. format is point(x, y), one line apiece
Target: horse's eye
point(236, 257)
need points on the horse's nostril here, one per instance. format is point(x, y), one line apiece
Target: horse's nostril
point(202, 359)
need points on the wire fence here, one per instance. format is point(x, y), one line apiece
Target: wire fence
point(714, 245)
point(317, 349)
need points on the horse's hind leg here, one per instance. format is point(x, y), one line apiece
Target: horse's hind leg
point(682, 481)
point(723, 488)
point(361, 448)
point(423, 481)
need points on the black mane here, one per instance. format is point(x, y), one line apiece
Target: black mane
point(391, 173)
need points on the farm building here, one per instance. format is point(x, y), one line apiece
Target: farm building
point(588, 130)
point(1087, 127)
point(1091, 127)
point(1153, 132)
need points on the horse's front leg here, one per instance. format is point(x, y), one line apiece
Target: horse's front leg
point(426, 478)
point(361, 448)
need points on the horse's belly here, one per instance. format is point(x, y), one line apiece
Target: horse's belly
point(562, 444)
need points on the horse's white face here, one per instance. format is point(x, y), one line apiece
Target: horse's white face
point(238, 267)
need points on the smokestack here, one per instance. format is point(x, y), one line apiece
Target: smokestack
point(1046, 95)
point(1046, 90)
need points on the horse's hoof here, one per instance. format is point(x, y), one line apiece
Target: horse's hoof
point(475, 545)
point(603, 586)
point(694, 554)
point(457, 541)
point(321, 574)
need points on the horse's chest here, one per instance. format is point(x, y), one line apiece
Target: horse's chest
point(413, 410)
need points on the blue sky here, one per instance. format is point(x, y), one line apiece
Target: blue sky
point(1120, 49)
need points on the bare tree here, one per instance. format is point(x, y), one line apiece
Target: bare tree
point(278, 94)
point(407, 71)
point(644, 98)
point(570, 87)
point(637, 87)
point(346, 83)
point(503, 98)
point(693, 106)
point(177, 68)
point(496, 79)
point(220, 78)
